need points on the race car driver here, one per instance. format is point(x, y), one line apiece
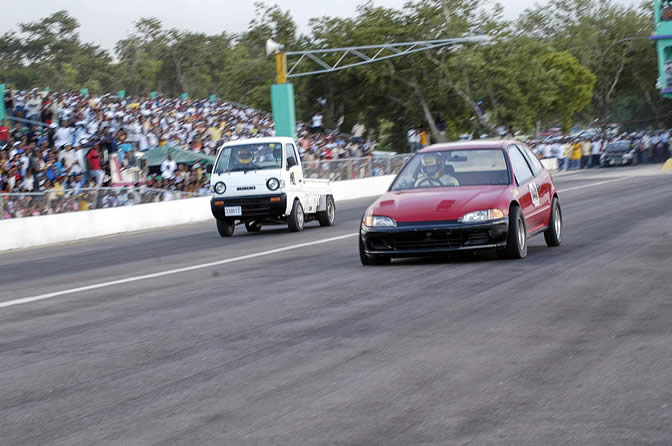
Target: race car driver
point(432, 175)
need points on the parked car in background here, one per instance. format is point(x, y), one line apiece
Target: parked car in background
point(619, 153)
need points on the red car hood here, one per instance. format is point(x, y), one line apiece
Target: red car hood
point(440, 204)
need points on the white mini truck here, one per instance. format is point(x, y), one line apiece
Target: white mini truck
point(260, 181)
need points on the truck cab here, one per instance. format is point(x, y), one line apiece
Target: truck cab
point(260, 181)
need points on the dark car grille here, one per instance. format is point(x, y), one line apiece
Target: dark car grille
point(428, 240)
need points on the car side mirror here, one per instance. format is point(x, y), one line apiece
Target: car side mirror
point(291, 162)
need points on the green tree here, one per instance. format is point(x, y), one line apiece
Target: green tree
point(573, 84)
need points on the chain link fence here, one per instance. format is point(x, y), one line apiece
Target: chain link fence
point(354, 168)
point(17, 205)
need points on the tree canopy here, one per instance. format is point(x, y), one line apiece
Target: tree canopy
point(561, 63)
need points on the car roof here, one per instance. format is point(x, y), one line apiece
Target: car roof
point(470, 145)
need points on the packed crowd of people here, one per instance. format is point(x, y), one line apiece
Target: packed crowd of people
point(66, 140)
point(583, 152)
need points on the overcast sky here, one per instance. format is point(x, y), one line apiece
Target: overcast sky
point(105, 22)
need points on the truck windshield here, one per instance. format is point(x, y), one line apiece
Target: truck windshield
point(246, 157)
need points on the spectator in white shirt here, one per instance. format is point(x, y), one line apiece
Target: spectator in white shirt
point(596, 149)
point(67, 156)
point(358, 131)
point(168, 167)
point(63, 136)
point(317, 122)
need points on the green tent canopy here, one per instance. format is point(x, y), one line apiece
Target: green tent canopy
point(157, 155)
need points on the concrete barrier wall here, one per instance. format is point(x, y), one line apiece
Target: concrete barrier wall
point(551, 164)
point(36, 231)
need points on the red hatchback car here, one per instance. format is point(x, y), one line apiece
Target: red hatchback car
point(463, 196)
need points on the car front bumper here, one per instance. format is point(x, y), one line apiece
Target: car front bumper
point(253, 207)
point(424, 238)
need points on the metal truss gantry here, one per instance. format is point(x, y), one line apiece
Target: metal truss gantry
point(362, 55)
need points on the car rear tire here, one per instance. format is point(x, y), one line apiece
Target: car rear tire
point(372, 260)
point(516, 240)
point(252, 226)
point(328, 216)
point(297, 218)
point(226, 227)
point(553, 235)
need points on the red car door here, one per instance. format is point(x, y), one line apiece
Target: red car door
point(542, 180)
point(528, 191)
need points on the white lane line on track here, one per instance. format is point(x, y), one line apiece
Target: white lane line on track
point(26, 300)
point(590, 185)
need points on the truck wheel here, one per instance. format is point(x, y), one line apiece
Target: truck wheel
point(369, 260)
point(297, 218)
point(252, 226)
point(516, 241)
point(553, 235)
point(327, 217)
point(226, 227)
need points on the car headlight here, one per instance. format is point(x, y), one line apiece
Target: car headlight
point(220, 188)
point(375, 221)
point(273, 184)
point(481, 216)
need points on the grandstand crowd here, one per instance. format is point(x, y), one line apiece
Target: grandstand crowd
point(66, 140)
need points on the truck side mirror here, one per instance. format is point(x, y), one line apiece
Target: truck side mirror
point(291, 162)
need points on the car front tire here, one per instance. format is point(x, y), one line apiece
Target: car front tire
point(516, 241)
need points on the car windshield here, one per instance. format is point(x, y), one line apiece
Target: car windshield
point(248, 157)
point(453, 168)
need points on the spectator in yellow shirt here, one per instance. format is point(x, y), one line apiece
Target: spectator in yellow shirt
point(575, 158)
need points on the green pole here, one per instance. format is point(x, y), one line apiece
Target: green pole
point(184, 96)
point(84, 92)
point(153, 94)
point(284, 112)
point(121, 94)
point(2, 102)
point(213, 98)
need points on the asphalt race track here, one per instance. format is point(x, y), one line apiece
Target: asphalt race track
point(302, 345)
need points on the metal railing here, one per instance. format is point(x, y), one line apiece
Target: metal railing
point(58, 201)
point(354, 168)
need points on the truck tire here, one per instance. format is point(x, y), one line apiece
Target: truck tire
point(297, 218)
point(252, 226)
point(516, 241)
point(328, 216)
point(226, 227)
